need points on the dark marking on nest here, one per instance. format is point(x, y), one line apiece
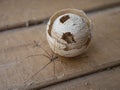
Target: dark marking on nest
point(64, 18)
point(68, 37)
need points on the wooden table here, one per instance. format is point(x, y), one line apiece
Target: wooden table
point(22, 27)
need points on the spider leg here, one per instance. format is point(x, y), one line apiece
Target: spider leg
point(42, 48)
point(46, 56)
point(45, 51)
point(34, 55)
point(37, 72)
point(63, 67)
point(61, 62)
point(54, 69)
point(22, 59)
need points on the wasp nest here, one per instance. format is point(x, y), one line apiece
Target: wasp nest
point(69, 32)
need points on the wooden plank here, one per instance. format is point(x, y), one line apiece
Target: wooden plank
point(18, 13)
point(15, 45)
point(107, 80)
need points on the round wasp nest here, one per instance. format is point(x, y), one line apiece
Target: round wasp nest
point(69, 32)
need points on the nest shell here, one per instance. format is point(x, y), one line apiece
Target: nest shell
point(67, 42)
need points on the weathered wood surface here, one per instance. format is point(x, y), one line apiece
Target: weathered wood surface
point(18, 13)
point(106, 80)
point(15, 45)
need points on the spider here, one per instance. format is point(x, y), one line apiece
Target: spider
point(52, 57)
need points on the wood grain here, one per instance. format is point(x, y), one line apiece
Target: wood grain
point(18, 13)
point(15, 45)
point(107, 80)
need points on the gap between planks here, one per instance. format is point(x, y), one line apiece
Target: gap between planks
point(97, 81)
point(44, 21)
point(102, 69)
